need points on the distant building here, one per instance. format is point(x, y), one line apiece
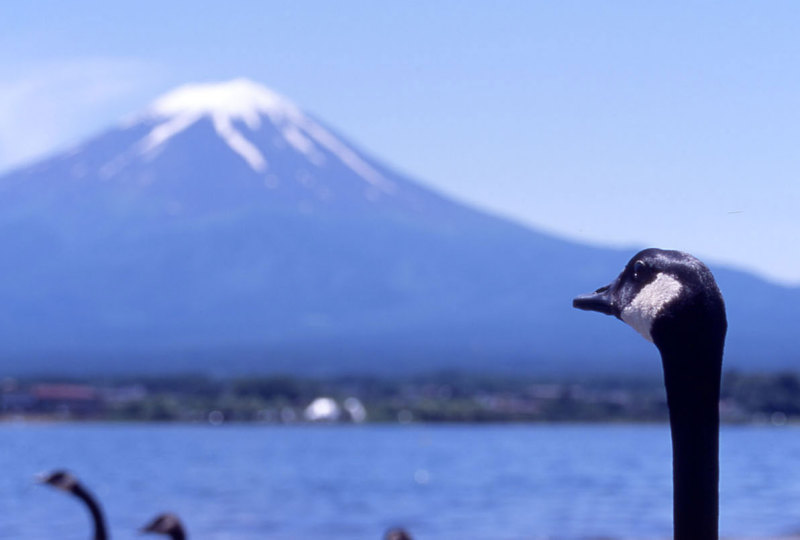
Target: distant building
point(322, 409)
point(355, 409)
point(65, 399)
point(16, 401)
point(123, 394)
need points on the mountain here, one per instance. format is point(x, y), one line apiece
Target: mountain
point(224, 230)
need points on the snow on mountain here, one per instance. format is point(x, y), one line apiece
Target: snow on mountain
point(238, 103)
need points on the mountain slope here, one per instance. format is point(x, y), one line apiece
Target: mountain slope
point(223, 229)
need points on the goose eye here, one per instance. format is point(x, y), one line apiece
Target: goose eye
point(639, 268)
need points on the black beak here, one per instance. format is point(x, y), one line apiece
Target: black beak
point(600, 300)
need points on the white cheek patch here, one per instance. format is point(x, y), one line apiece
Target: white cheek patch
point(651, 300)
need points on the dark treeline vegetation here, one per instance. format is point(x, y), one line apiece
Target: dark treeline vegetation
point(435, 397)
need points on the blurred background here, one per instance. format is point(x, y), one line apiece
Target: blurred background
point(305, 269)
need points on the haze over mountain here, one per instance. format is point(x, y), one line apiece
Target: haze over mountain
point(223, 229)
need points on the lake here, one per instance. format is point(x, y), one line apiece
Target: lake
point(353, 482)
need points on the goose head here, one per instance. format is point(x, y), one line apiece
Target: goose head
point(164, 524)
point(59, 479)
point(397, 533)
point(669, 297)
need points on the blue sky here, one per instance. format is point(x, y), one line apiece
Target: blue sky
point(617, 123)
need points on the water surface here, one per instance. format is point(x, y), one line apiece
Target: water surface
point(352, 482)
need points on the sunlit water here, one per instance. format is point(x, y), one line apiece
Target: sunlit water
point(352, 482)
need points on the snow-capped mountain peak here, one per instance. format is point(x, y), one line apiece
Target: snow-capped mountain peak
point(237, 99)
point(243, 101)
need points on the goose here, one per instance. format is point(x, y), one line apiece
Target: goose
point(65, 481)
point(672, 300)
point(397, 533)
point(167, 524)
